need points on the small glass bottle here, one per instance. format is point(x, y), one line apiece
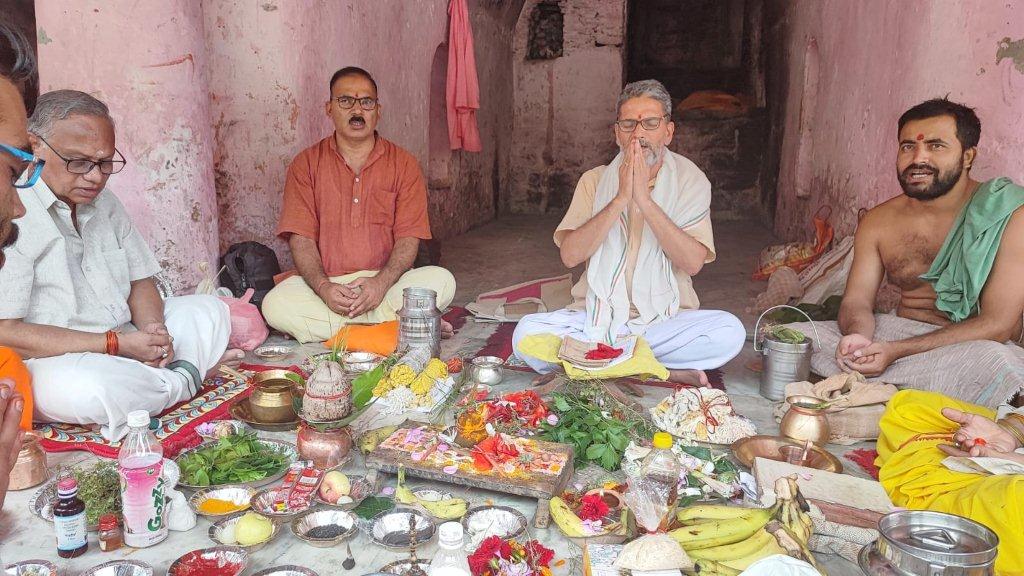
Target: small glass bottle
point(110, 533)
point(69, 520)
point(450, 558)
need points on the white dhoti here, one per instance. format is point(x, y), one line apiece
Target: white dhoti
point(691, 339)
point(90, 388)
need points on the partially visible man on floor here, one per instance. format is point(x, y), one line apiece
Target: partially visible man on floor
point(643, 226)
point(77, 293)
point(17, 65)
point(955, 247)
point(355, 210)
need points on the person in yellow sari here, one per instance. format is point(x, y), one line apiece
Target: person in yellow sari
point(919, 429)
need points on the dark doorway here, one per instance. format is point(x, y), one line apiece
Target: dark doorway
point(21, 15)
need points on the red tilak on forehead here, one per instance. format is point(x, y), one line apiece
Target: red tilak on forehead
point(920, 136)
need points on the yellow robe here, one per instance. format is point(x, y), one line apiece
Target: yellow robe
point(13, 368)
point(911, 471)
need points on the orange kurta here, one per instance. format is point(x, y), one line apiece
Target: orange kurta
point(13, 368)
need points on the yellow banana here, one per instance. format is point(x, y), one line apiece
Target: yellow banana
point(771, 549)
point(566, 519)
point(758, 541)
point(712, 568)
point(702, 512)
point(721, 532)
point(402, 493)
point(451, 509)
point(372, 438)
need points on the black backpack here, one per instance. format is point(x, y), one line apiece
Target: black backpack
point(249, 265)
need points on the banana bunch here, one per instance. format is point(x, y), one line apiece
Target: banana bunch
point(451, 509)
point(793, 527)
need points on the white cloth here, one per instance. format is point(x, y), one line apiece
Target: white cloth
point(58, 276)
point(90, 388)
point(691, 339)
point(655, 292)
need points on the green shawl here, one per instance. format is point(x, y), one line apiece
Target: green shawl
point(962, 266)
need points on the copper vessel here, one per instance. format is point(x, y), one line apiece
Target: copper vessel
point(325, 449)
point(30, 468)
point(273, 401)
point(805, 420)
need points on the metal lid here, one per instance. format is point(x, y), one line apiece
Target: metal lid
point(938, 537)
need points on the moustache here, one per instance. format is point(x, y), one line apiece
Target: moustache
point(355, 119)
point(12, 235)
point(921, 167)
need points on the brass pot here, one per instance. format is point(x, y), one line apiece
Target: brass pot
point(30, 468)
point(805, 422)
point(326, 449)
point(273, 402)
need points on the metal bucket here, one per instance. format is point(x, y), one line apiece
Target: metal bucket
point(783, 362)
point(419, 321)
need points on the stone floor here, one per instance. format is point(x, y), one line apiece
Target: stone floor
point(509, 250)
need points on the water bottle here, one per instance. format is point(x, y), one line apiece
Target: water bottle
point(661, 470)
point(140, 463)
point(450, 558)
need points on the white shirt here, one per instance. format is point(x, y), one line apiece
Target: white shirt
point(56, 276)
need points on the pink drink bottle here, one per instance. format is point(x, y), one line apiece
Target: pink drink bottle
point(141, 463)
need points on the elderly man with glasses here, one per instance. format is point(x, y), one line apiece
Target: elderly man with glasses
point(78, 297)
point(642, 225)
point(355, 210)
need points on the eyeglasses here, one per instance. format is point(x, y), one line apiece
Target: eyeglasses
point(31, 169)
point(346, 102)
point(651, 123)
point(84, 165)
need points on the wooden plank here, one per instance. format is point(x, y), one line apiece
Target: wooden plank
point(819, 485)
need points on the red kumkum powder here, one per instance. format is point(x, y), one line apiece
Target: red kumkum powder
point(196, 565)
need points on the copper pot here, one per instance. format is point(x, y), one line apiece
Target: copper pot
point(30, 468)
point(805, 421)
point(325, 449)
point(273, 402)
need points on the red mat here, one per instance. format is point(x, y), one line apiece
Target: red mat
point(865, 458)
point(177, 424)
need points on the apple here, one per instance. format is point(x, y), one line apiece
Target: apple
point(334, 486)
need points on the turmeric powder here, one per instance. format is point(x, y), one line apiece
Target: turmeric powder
point(218, 506)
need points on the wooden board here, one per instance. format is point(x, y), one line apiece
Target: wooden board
point(841, 489)
point(538, 485)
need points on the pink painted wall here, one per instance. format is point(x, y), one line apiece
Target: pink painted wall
point(147, 61)
point(875, 60)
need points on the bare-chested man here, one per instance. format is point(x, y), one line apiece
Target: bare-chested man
point(955, 248)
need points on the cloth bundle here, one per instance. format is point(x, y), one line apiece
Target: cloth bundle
point(858, 405)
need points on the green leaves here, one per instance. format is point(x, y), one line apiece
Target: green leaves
point(596, 438)
point(233, 459)
point(372, 506)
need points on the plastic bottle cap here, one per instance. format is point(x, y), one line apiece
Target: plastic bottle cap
point(662, 440)
point(67, 487)
point(450, 533)
point(138, 418)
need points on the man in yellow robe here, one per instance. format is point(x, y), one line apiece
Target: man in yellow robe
point(920, 429)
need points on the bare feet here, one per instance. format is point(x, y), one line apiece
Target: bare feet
point(231, 358)
point(692, 377)
point(447, 331)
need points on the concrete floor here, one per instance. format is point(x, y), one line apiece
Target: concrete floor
point(510, 250)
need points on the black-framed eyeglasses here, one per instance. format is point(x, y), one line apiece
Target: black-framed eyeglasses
point(346, 102)
point(85, 165)
point(31, 167)
point(651, 123)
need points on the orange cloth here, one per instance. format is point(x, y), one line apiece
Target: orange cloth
point(12, 367)
point(463, 86)
point(380, 338)
point(354, 219)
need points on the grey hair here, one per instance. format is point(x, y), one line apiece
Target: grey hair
point(649, 88)
point(59, 104)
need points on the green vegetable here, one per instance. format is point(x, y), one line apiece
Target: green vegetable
point(787, 335)
point(99, 488)
point(596, 439)
point(372, 506)
point(233, 459)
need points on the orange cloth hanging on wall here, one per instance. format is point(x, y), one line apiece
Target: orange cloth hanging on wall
point(13, 368)
point(463, 87)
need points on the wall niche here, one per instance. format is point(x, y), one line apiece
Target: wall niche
point(546, 31)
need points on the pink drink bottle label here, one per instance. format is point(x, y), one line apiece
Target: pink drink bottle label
point(142, 501)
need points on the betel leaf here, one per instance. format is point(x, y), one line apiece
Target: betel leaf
point(698, 452)
point(362, 386)
point(372, 506)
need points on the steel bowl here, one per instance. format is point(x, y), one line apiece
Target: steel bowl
point(273, 353)
point(234, 554)
point(312, 519)
point(286, 448)
point(44, 567)
point(359, 362)
point(286, 570)
point(506, 523)
point(240, 495)
point(222, 532)
point(120, 568)
point(359, 489)
point(262, 502)
point(391, 529)
point(401, 567)
point(487, 370)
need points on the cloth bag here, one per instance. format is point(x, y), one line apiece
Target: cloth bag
point(248, 330)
